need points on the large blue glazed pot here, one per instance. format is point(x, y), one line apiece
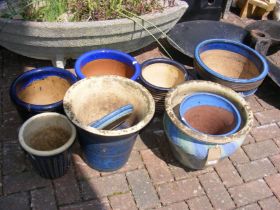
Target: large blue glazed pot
point(195, 149)
point(93, 98)
point(27, 110)
point(107, 54)
point(245, 85)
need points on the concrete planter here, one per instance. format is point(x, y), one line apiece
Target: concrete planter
point(58, 41)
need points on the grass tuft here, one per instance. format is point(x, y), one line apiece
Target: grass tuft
point(78, 10)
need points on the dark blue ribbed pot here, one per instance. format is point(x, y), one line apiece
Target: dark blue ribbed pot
point(26, 110)
point(48, 164)
point(246, 86)
point(51, 167)
point(107, 54)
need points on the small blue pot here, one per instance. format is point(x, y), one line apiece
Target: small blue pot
point(107, 54)
point(209, 99)
point(248, 86)
point(26, 110)
point(157, 92)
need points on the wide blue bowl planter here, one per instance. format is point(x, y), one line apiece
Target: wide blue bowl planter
point(209, 99)
point(27, 110)
point(107, 54)
point(93, 98)
point(246, 86)
point(194, 149)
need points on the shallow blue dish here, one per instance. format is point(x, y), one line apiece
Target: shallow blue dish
point(114, 119)
point(209, 99)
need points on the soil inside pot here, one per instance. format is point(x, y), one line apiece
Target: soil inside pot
point(107, 67)
point(45, 91)
point(210, 119)
point(229, 64)
point(163, 75)
point(48, 139)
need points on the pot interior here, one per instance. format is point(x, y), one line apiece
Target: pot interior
point(106, 66)
point(163, 75)
point(209, 114)
point(93, 98)
point(46, 133)
point(231, 60)
point(43, 91)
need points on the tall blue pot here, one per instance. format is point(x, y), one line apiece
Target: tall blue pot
point(91, 99)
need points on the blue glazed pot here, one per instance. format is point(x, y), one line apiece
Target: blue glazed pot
point(195, 149)
point(26, 110)
point(53, 163)
point(93, 98)
point(209, 99)
point(247, 86)
point(107, 54)
point(158, 92)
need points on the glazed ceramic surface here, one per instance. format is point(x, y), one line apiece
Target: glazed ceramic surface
point(91, 99)
point(107, 54)
point(209, 99)
point(194, 149)
point(113, 119)
point(158, 92)
point(48, 164)
point(28, 110)
point(243, 85)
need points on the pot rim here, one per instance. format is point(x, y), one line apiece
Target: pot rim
point(133, 61)
point(235, 112)
point(198, 59)
point(56, 151)
point(54, 71)
point(110, 133)
point(205, 137)
point(161, 60)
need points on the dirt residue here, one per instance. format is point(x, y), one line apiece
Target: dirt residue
point(229, 64)
point(107, 67)
point(45, 91)
point(210, 119)
point(49, 138)
point(163, 75)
